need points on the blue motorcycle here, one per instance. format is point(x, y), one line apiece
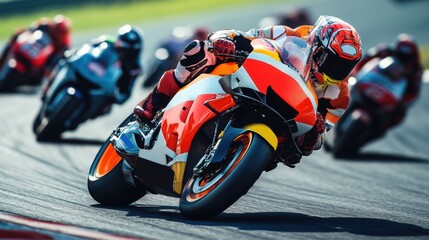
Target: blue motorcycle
point(82, 87)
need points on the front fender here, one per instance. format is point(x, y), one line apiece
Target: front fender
point(230, 133)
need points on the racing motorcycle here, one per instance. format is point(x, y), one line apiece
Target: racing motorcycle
point(82, 87)
point(215, 137)
point(379, 88)
point(168, 53)
point(26, 60)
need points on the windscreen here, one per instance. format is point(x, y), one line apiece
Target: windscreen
point(294, 52)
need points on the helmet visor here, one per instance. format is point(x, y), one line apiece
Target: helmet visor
point(333, 67)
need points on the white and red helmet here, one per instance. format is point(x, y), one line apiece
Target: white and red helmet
point(336, 48)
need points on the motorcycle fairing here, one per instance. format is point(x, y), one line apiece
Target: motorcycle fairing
point(62, 73)
point(98, 65)
point(186, 112)
point(383, 81)
point(182, 119)
point(160, 152)
point(298, 94)
point(36, 47)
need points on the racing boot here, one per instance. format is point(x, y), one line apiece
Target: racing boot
point(132, 139)
point(158, 98)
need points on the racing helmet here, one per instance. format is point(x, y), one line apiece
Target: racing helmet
point(336, 49)
point(61, 24)
point(129, 43)
point(60, 30)
point(406, 49)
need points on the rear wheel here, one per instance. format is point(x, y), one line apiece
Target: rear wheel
point(106, 181)
point(207, 195)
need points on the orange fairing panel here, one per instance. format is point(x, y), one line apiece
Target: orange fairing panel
point(296, 94)
point(173, 122)
point(180, 129)
point(220, 102)
point(225, 69)
point(199, 115)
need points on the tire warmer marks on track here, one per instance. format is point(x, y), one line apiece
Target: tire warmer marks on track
point(18, 227)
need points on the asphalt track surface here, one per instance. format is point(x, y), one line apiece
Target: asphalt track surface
point(383, 193)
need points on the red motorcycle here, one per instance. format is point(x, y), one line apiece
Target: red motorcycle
point(375, 96)
point(26, 60)
point(216, 136)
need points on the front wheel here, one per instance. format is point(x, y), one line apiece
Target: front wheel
point(207, 195)
point(106, 181)
point(8, 79)
point(50, 126)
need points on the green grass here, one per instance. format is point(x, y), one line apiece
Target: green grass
point(424, 50)
point(92, 16)
point(95, 16)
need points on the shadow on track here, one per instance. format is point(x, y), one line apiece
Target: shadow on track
point(283, 222)
point(296, 222)
point(383, 157)
point(22, 90)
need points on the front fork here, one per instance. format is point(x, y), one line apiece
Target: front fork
point(219, 148)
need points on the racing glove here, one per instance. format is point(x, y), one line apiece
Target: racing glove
point(223, 48)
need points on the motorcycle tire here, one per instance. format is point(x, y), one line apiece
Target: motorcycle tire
point(106, 182)
point(9, 82)
point(346, 144)
point(204, 197)
point(50, 127)
point(37, 120)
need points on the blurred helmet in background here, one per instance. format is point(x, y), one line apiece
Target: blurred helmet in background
point(129, 43)
point(406, 49)
point(60, 28)
point(62, 24)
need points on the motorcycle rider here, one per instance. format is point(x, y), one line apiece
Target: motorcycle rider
point(336, 49)
point(58, 28)
point(405, 49)
point(128, 43)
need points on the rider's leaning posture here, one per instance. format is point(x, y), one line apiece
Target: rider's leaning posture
point(335, 50)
